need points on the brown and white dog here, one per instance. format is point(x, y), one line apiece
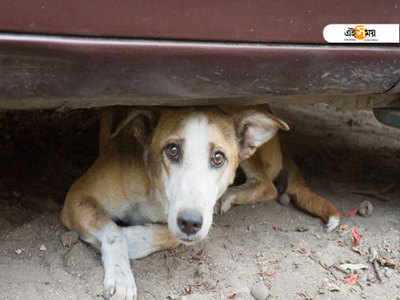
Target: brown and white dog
point(161, 172)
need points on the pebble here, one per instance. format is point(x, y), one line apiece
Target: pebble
point(260, 291)
point(301, 229)
point(366, 208)
point(43, 248)
point(284, 199)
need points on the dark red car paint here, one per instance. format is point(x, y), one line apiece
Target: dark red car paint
point(279, 21)
point(57, 52)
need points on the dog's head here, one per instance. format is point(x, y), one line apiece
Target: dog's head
point(192, 154)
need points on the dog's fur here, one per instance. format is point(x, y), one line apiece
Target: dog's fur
point(267, 164)
point(135, 181)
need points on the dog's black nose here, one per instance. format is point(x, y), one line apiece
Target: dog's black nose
point(190, 222)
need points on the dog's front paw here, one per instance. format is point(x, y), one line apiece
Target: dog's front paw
point(333, 223)
point(119, 284)
point(225, 203)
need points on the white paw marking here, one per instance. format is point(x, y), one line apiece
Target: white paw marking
point(332, 223)
point(119, 284)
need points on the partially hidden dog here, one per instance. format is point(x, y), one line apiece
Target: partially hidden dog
point(160, 172)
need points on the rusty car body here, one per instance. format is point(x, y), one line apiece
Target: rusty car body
point(69, 54)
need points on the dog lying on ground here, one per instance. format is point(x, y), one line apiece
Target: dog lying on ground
point(160, 172)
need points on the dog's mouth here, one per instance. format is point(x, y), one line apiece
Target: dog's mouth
point(189, 236)
point(189, 240)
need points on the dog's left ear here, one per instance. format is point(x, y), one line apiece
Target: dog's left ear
point(255, 128)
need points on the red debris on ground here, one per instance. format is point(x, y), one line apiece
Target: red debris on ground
point(233, 296)
point(352, 279)
point(267, 273)
point(356, 237)
point(350, 213)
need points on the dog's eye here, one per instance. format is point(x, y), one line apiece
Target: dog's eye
point(172, 151)
point(218, 159)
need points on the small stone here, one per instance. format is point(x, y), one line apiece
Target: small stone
point(69, 238)
point(18, 251)
point(43, 248)
point(284, 199)
point(366, 208)
point(260, 291)
point(301, 229)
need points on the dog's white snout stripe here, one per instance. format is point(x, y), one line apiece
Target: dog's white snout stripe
point(193, 186)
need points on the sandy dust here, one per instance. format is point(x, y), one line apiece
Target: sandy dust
point(287, 250)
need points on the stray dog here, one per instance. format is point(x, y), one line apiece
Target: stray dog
point(161, 172)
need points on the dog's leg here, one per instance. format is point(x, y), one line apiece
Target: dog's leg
point(117, 244)
point(258, 186)
point(83, 215)
point(119, 282)
point(133, 242)
point(309, 201)
point(253, 191)
point(146, 239)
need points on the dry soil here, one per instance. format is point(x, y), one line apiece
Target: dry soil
point(342, 155)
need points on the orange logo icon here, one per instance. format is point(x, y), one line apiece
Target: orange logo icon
point(360, 32)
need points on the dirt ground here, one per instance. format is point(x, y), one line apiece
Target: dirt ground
point(342, 156)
